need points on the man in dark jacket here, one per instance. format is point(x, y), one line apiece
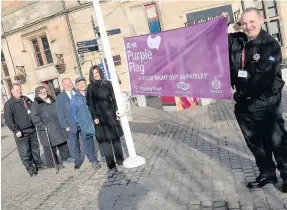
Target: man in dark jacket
point(255, 61)
point(17, 117)
point(65, 119)
point(83, 118)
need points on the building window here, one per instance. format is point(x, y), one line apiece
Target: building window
point(275, 30)
point(6, 86)
point(259, 5)
point(4, 92)
point(42, 52)
point(152, 18)
point(2, 57)
point(5, 72)
point(271, 7)
point(264, 27)
point(268, 9)
point(9, 84)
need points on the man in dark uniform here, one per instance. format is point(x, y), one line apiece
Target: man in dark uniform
point(255, 64)
point(17, 117)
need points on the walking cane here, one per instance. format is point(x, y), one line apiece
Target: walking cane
point(50, 146)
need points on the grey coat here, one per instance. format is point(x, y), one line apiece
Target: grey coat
point(44, 115)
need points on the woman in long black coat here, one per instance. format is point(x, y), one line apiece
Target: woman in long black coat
point(44, 115)
point(102, 104)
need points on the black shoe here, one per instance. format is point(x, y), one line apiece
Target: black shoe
point(261, 182)
point(41, 167)
point(112, 172)
point(33, 172)
point(260, 177)
point(284, 186)
point(78, 166)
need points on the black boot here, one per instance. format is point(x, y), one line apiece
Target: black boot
point(78, 166)
point(262, 181)
point(33, 172)
point(111, 172)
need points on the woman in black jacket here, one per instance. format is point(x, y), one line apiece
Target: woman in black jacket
point(102, 104)
point(44, 115)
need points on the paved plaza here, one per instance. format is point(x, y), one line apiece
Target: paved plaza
point(196, 159)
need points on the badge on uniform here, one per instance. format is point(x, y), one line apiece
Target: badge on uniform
point(28, 111)
point(242, 73)
point(272, 58)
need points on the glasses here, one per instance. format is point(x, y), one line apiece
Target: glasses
point(43, 92)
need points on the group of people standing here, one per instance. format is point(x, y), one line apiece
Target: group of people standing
point(255, 58)
point(79, 112)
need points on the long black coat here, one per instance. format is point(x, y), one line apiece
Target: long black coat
point(44, 115)
point(102, 104)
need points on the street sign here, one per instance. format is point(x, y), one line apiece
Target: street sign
point(209, 14)
point(113, 32)
point(87, 43)
point(87, 49)
point(109, 32)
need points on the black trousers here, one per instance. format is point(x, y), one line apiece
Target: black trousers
point(63, 151)
point(29, 151)
point(111, 148)
point(263, 128)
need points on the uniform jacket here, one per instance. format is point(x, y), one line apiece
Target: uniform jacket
point(263, 64)
point(44, 115)
point(17, 117)
point(81, 114)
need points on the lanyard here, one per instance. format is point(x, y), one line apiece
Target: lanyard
point(243, 57)
point(25, 105)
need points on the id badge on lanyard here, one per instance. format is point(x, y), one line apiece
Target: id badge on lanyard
point(243, 72)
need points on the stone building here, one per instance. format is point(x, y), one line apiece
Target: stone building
point(39, 38)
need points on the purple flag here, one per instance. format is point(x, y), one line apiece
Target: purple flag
point(190, 61)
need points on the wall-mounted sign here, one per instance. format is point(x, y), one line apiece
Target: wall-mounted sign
point(87, 43)
point(87, 49)
point(209, 14)
point(113, 32)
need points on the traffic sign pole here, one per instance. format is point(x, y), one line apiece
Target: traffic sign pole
point(100, 48)
point(133, 160)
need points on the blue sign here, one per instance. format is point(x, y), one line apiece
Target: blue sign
point(113, 32)
point(88, 49)
point(87, 43)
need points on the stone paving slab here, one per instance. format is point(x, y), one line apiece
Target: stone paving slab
point(196, 159)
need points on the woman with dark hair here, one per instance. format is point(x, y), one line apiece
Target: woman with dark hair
point(102, 104)
point(44, 115)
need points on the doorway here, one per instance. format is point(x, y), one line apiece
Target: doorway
point(53, 87)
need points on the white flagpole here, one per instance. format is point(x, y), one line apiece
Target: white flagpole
point(133, 160)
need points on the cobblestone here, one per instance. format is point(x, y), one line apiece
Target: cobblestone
point(196, 159)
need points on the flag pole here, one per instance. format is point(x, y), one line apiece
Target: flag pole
point(133, 160)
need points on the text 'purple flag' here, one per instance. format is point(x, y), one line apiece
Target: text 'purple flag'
point(190, 61)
